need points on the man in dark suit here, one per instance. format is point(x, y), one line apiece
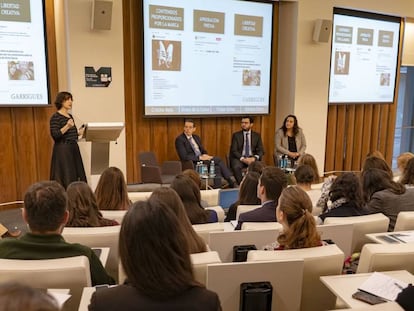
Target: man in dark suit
point(271, 183)
point(246, 147)
point(189, 147)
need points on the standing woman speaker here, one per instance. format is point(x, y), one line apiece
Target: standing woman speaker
point(289, 139)
point(67, 165)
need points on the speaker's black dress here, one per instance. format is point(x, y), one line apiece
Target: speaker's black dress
point(67, 165)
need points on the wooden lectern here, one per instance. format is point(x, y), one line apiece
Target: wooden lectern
point(101, 134)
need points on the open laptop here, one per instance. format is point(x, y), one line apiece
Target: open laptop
point(227, 197)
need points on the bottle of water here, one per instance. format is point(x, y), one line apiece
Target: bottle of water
point(204, 170)
point(212, 169)
point(198, 168)
point(285, 161)
point(281, 161)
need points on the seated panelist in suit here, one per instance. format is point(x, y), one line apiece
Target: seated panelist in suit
point(190, 148)
point(246, 147)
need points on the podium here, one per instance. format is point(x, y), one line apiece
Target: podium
point(101, 134)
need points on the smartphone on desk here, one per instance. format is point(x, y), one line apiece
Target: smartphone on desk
point(368, 298)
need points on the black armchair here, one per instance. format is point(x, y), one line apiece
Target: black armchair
point(152, 172)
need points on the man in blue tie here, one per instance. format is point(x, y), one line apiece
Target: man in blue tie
point(189, 148)
point(246, 147)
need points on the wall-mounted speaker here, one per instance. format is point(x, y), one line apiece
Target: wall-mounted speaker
point(322, 30)
point(101, 15)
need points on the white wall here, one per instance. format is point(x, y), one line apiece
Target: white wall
point(79, 46)
point(310, 76)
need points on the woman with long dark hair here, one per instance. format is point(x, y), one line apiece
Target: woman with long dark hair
point(289, 139)
point(155, 256)
point(173, 201)
point(83, 209)
point(190, 195)
point(383, 195)
point(247, 194)
point(345, 196)
point(111, 192)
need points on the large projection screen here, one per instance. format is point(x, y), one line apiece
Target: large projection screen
point(364, 57)
point(207, 58)
point(23, 54)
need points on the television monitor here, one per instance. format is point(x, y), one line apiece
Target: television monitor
point(207, 58)
point(364, 57)
point(23, 54)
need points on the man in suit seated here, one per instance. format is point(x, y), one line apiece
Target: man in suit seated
point(46, 214)
point(271, 183)
point(189, 147)
point(246, 147)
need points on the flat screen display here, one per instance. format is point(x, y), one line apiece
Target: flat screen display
point(207, 58)
point(23, 53)
point(364, 57)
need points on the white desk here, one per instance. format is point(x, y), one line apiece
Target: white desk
point(389, 306)
point(86, 298)
point(390, 237)
point(343, 286)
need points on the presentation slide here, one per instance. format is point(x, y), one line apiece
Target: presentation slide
point(207, 57)
point(363, 57)
point(23, 69)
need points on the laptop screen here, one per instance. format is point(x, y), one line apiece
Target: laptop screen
point(227, 197)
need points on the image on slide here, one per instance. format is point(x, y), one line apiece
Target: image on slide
point(342, 63)
point(251, 77)
point(20, 70)
point(166, 55)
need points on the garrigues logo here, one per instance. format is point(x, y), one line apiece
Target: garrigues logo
point(26, 96)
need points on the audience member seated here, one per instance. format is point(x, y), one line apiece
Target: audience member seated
point(345, 198)
point(376, 162)
point(383, 195)
point(191, 198)
point(18, 297)
point(402, 161)
point(83, 209)
point(246, 147)
point(256, 166)
point(271, 183)
point(407, 178)
point(111, 192)
point(46, 214)
point(247, 194)
point(196, 178)
point(405, 298)
point(305, 176)
point(156, 259)
point(171, 199)
point(377, 154)
point(308, 159)
point(294, 213)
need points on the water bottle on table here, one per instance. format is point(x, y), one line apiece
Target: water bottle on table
point(212, 169)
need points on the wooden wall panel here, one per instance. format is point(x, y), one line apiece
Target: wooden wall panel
point(358, 130)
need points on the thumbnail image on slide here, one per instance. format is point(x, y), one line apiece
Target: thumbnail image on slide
point(166, 55)
point(20, 70)
point(385, 79)
point(251, 77)
point(341, 63)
